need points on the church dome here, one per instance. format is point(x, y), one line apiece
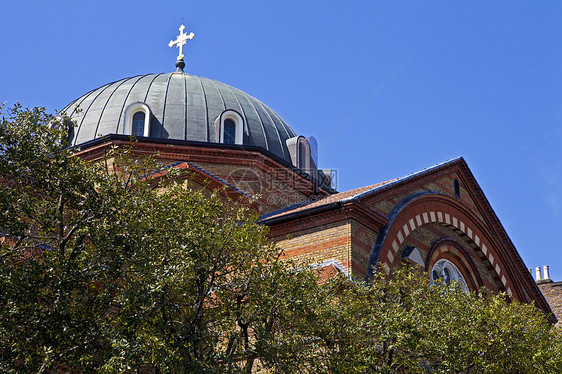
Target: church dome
point(178, 106)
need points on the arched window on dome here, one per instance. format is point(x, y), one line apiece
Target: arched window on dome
point(302, 155)
point(230, 128)
point(65, 123)
point(229, 134)
point(138, 124)
point(137, 120)
point(299, 150)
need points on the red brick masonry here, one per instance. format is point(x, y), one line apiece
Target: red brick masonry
point(552, 292)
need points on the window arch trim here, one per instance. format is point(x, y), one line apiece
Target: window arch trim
point(299, 150)
point(238, 126)
point(446, 271)
point(450, 250)
point(130, 112)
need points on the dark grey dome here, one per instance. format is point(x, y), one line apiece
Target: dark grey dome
point(182, 106)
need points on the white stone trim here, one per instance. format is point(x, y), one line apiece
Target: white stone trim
point(238, 123)
point(443, 267)
point(130, 112)
point(440, 217)
point(295, 149)
point(406, 229)
point(335, 263)
point(390, 257)
point(412, 224)
point(400, 237)
point(415, 256)
point(386, 268)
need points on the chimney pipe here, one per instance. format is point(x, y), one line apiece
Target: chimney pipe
point(545, 272)
point(538, 273)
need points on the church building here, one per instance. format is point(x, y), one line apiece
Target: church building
point(437, 218)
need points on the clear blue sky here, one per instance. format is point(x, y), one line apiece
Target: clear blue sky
point(387, 88)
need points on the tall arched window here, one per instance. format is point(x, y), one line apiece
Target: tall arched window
point(457, 187)
point(229, 131)
point(302, 155)
point(137, 120)
point(299, 151)
point(230, 127)
point(138, 124)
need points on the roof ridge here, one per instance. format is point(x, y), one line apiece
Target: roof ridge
point(404, 178)
point(287, 208)
point(360, 192)
point(221, 180)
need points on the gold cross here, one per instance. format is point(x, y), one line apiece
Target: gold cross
point(180, 41)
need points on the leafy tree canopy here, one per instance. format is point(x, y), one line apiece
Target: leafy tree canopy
point(101, 272)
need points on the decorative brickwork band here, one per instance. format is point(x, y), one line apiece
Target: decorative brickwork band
point(434, 208)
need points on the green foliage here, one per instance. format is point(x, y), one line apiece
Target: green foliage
point(101, 272)
point(50, 262)
point(403, 324)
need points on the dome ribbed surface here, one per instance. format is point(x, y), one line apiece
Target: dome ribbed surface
point(183, 107)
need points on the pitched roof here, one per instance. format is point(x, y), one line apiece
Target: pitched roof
point(352, 194)
point(203, 176)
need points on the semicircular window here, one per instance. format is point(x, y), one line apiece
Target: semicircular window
point(138, 124)
point(448, 273)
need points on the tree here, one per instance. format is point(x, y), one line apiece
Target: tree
point(54, 282)
point(101, 272)
point(106, 269)
point(404, 324)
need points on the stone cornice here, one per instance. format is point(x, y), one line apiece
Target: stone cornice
point(326, 214)
point(208, 153)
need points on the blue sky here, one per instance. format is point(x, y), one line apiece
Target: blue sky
point(387, 88)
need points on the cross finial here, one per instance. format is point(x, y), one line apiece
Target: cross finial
point(180, 41)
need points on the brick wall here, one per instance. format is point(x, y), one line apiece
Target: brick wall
point(443, 185)
point(552, 292)
point(319, 244)
point(362, 240)
point(275, 189)
point(425, 236)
